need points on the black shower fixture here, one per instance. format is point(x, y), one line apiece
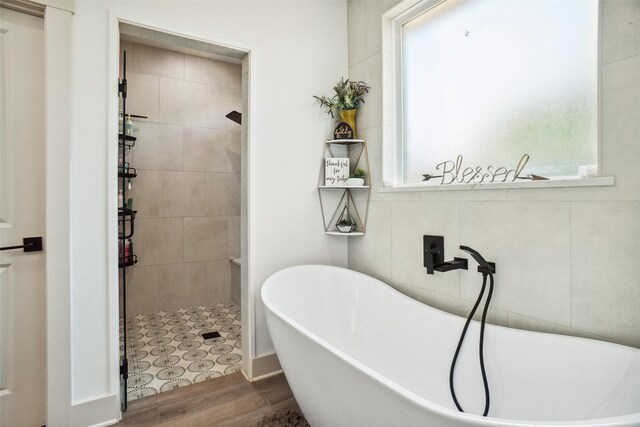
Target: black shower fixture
point(235, 116)
point(433, 257)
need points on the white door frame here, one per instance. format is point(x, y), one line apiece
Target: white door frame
point(247, 303)
point(57, 34)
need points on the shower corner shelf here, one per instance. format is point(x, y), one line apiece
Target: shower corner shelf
point(356, 198)
point(127, 140)
point(132, 260)
point(128, 173)
point(340, 233)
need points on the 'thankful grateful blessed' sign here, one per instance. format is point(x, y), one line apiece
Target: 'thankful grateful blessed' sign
point(453, 172)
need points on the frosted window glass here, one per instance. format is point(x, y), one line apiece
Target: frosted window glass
point(495, 79)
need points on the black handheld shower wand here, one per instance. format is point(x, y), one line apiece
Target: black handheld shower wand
point(487, 269)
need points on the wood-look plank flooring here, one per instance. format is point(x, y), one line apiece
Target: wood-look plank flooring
point(227, 401)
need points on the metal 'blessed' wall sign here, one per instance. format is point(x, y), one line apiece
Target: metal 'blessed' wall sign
point(452, 172)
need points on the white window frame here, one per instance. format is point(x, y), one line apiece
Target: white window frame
point(392, 146)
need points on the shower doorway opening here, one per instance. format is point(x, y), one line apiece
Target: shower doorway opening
point(181, 169)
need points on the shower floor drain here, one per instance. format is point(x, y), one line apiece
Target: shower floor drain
point(209, 335)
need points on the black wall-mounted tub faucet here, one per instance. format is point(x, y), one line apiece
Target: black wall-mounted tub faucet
point(434, 256)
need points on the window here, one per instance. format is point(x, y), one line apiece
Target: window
point(492, 80)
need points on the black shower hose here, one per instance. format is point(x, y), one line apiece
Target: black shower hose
point(481, 346)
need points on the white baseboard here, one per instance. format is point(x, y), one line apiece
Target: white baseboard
point(104, 411)
point(265, 367)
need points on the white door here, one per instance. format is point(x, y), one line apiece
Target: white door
point(22, 214)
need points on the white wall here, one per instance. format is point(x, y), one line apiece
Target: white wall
point(298, 49)
point(567, 258)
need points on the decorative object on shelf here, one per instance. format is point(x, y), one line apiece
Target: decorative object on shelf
point(452, 171)
point(336, 171)
point(344, 130)
point(346, 102)
point(357, 179)
point(345, 223)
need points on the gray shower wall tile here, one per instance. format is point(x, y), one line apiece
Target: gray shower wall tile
point(218, 281)
point(530, 243)
point(159, 241)
point(206, 239)
point(182, 103)
point(205, 150)
point(223, 194)
point(182, 285)
point(158, 62)
point(181, 194)
point(409, 222)
point(605, 279)
point(234, 236)
point(220, 102)
point(143, 94)
point(234, 152)
point(144, 192)
point(208, 71)
point(142, 289)
point(159, 147)
point(235, 76)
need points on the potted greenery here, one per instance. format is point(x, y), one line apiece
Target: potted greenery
point(345, 223)
point(346, 101)
point(357, 178)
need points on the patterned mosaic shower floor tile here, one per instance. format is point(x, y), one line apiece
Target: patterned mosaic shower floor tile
point(166, 350)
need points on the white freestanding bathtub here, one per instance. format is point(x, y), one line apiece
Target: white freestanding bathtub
point(358, 353)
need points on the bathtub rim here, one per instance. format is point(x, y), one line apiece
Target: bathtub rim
point(474, 419)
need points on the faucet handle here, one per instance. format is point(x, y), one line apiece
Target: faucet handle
point(433, 255)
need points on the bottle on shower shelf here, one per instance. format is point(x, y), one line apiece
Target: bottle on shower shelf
point(129, 125)
point(127, 250)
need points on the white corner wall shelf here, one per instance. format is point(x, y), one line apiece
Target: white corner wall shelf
point(334, 198)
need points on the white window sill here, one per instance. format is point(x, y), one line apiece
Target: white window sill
point(557, 182)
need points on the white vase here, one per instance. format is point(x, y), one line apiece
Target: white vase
point(355, 182)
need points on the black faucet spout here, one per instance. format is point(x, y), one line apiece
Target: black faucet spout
point(455, 264)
